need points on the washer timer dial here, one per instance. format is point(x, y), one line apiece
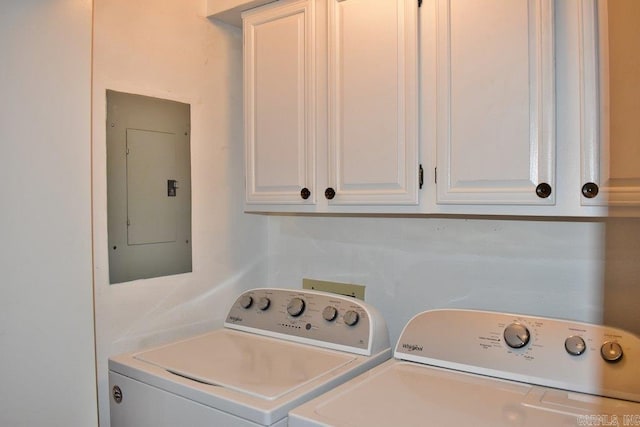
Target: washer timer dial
point(295, 307)
point(264, 303)
point(351, 317)
point(329, 313)
point(516, 335)
point(246, 301)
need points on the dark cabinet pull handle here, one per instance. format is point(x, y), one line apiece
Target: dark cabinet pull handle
point(305, 193)
point(543, 190)
point(329, 193)
point(590, 190)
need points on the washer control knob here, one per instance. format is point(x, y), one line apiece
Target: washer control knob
point(611, 351)
point(264, 303)
point(329, 313)
point(351, 317)
point(516, 335)
point(246, 301)
point(575, 345)
point(295, 307)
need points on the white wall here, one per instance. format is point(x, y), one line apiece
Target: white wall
point(167, 49)
point(47, 364)
point(581, 270)
point(409, 265)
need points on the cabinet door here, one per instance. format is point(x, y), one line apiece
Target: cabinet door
point(279, 82)
point(373, 102)
point(495, 124)
point(611, 102)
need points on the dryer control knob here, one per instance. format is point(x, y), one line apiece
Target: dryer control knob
point(611, 351)
point(516, 335)
point(295, 307)
point(351, 317)
point(329, 313)
point(575, 345)
point(246, 301)
point(264, 303)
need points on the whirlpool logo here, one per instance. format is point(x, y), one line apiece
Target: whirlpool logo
point(235, 319)
point(412, 347)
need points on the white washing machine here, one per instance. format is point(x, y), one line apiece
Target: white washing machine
point(278, 349)
point(476, 368)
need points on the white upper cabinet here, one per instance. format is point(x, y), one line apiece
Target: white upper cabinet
point(495, 102)
point(523, 107)
point(331, 105)
point(611, 103)
point(373, 102)
point(280, 101)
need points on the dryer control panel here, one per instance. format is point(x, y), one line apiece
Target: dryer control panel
point(557, 353)
point(311, 317)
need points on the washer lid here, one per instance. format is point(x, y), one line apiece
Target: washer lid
point(258, 366)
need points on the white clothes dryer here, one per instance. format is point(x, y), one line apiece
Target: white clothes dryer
point(477, 368)
point(278, 349)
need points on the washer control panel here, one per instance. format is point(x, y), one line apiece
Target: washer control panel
point(310, 317)
point(557, 353)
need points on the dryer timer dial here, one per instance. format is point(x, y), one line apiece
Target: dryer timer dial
point(516, 335)
point(611, 351)
point(575, 345)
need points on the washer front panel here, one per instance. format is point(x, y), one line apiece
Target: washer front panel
point(143, 405)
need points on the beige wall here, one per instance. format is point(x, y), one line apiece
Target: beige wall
point(167, 49)
point(47, 364)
